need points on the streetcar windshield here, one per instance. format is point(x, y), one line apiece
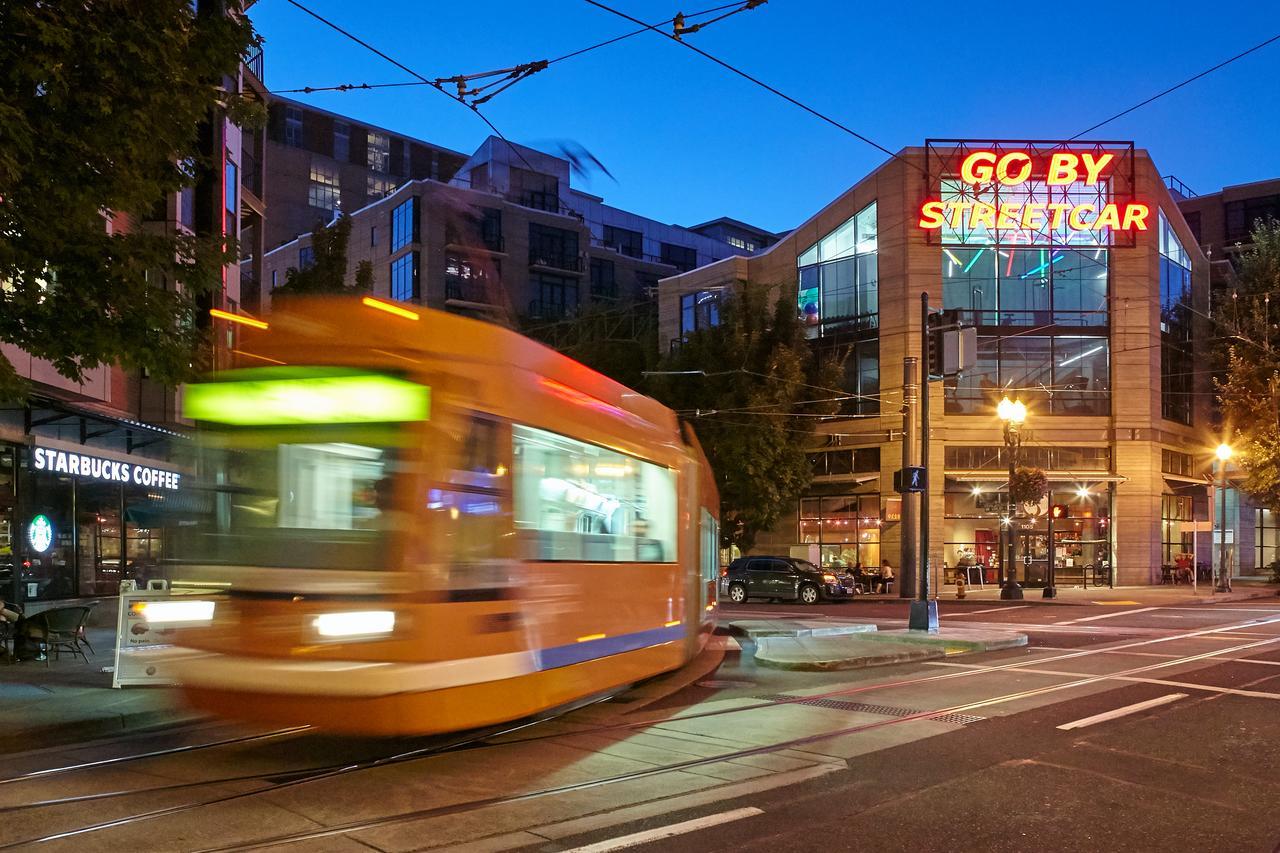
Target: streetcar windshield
point(299, 467)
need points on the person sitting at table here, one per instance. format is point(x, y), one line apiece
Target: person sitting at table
point(886, 576)
point(859, 578)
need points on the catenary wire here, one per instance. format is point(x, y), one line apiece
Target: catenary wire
point(346, 87)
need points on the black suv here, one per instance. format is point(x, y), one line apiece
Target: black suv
point(784, 578)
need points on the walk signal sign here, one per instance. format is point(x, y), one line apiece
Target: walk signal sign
point(911, 479)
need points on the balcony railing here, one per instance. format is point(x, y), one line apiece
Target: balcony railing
point(540, 310)
point(467, 291)
point(254, 64)
point(555, 260)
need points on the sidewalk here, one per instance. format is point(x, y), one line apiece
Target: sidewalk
point(72, 701)
point(1149, 596)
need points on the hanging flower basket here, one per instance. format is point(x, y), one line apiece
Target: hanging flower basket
point(1028, 486)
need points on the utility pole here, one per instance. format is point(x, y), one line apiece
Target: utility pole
point(910, 545)
point(924, 613)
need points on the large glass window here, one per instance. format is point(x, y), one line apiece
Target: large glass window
point(8, 525)
point(624, 242)
point(1026, 287)
point(341, 141)
point(839, 279)
point(1176, 359)
point(323, 192)
point(1059, 374)
point(699, 310)
point(379, 187)
point(404, 277)
point(553, 247)
point(379, 152)
point(231, 198)
point(603, 283)
point(846, 527)
point(1266, 539)
point(293, 127)
point(682, 258)
point(404, 224)
point(557, 296)
point(1176, 535)
point(580, 502)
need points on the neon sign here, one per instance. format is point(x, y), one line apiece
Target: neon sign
point(90, 467)
point(1032, 193)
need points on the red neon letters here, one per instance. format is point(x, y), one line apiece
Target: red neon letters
point(1059, 169)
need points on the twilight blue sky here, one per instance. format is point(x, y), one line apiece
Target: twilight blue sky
point(688, 141)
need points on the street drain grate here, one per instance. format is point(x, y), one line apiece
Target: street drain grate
point(864, 708)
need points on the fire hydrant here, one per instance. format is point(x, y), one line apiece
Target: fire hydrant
point(960, 587)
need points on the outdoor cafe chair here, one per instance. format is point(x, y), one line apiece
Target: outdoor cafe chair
point(58, 628)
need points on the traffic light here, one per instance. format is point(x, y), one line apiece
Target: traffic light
point(952, 349)
point(1060, 511)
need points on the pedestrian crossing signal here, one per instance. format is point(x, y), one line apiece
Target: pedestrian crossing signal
point(1060, 511)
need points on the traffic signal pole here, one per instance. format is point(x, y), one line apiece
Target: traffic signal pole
point(910, 532)
point(924, 613)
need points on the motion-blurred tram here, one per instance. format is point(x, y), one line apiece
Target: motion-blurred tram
point(416, 522)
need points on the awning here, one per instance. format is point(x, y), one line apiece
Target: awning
point(1052, 476)
point(1178, 478)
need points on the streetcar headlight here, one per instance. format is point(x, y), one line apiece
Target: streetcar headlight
point(175, 612)
point(357, 623)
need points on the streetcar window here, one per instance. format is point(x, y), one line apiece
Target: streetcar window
point(580, 502)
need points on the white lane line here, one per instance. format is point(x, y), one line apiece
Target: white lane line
point(637, 838)
point(1122, 712)
point(1108, 615)
point(989, 610)
point(1133, 679)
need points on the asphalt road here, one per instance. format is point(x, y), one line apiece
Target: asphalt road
point(1117, 727)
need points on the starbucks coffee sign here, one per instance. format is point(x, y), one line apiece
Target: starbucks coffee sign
point(89, 467)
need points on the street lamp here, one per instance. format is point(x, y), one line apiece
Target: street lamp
point(1224, 577)
point(1013, 413)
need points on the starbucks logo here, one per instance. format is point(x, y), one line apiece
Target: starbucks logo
point(40, 534)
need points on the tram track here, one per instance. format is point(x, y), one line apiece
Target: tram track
point(484, 740)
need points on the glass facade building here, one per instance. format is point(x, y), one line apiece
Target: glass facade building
point(1074, 265)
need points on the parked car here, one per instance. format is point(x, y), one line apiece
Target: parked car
point(781, 578)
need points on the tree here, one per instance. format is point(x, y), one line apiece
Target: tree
point(100, 113)
point(621, 342)
point(327, 272)
point(750, 386)
point(1249, 393)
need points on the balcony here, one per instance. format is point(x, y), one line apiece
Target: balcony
point(254, 64)
point(470, 291)
point(555, 260)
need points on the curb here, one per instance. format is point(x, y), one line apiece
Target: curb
point(80, 732)
point(873, 657)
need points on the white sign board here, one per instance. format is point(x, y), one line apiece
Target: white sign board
point(141, 646)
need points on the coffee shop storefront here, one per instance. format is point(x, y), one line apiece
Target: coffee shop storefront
point(81, 500)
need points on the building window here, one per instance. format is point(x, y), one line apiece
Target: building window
point(380, 187)
point(379, 151)
point(1266, 539)
point(342, 142)
point(1176, 535)
point(1243, 215)
point(1177, 364)
point(1193, 222)
point(846, 529)
point(839, 283)
point(404, 224)
point(469, 281)
point(581, 502)
point(699, 310)
point(557, 296)
point(553, 247)
point(1008, 286)
point(646, 285)
point(739, 243)
point(273, 279)
point(404, 277)
point(306, 258)
point(491, 229)
point(603, 285)
point(959, 457)
point(293, 127)
point(682, 258)
point(1178, 464)
point(231, 197)
point(845, 462)
point(624, 242)
point(534, 189)
point(1060, 375)
point(324, 193)
point(373, 235)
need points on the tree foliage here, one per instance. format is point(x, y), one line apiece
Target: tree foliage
point(100, 111)
point(327, 272)
point(750, 385)
point(1249, 393)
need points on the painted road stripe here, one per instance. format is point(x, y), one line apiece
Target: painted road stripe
point(1107, 615)
point(671, 831)
point(1122, 712)
point(989, 610)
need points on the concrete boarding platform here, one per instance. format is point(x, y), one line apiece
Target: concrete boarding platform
point(801, 649)
point(756, 628)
